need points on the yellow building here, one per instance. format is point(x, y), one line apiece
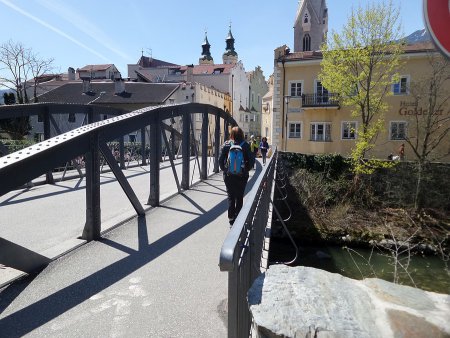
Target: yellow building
point(311, 120)
point(306, 118)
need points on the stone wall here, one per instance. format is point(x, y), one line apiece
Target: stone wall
point(307, 302)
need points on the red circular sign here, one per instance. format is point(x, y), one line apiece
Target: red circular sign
point(437, 18)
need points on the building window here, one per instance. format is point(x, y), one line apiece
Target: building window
point(321, 93)
point(71, 117)
point(397, 130)
point(320, 131)
point(305, 20)
point(246, 118)
point(348, 130)
point(402, 86)
point(306, 43)
point(40, 118)
point(105, 117)
point(295, 130)
point(132, 138)
point(296, 88)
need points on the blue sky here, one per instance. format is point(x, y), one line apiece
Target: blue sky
point(80, 32)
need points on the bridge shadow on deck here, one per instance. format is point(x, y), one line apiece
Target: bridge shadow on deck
point(37, 314)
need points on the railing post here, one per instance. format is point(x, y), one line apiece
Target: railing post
point(186, 148)
point(122, 152)
point(233, 310)
point(91, 118)
point(92, 227)
point(217, 143)
point(225, 130)
point(172, 142)
point(155, 158)
point(144, 162)
point(205, 123)
point(47, 134)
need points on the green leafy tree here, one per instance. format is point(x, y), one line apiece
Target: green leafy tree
point(430, 126)
point(360, 64)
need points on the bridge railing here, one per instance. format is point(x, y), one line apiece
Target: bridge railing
point(242, 253)
point(91, 140)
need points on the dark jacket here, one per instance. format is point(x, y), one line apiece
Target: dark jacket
point(264, 146)
point(248, 158)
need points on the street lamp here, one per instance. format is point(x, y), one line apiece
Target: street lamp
point(287, 98)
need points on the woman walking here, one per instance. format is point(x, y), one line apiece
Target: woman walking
point(264, 147)
point(235, 160)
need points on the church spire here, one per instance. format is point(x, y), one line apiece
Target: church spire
point(206, 57)
point(230, 55)
point(311, 25)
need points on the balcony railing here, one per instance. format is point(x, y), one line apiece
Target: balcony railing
point(320, 100)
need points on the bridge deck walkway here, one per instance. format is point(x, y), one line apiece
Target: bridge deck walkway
point(154, 276)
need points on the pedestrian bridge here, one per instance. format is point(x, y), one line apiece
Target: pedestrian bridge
point(173, 268)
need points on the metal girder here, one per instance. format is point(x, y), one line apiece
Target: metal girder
point(155, 158)
point(126, 187)
point(47, 135)
point(186, 149)
point(217, 143)
point(144, 162)
point(225, 130)
point(122, 152)
point(205, 124)
point(171, 159)
point(92, 226)
point(195, 150)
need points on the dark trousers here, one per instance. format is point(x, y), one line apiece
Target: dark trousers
point(264, 154)
point(235, 190)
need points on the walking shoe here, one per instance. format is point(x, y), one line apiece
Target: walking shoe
point(231, 221)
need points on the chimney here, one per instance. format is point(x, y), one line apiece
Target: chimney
point(189, 74)
point(119, 86)
point(71, 74)
point(86, 85)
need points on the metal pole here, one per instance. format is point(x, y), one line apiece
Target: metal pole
point(92, 227)
point(155, 158)
point(217, 143)
point(225, 130)
point(122, 152)
point(47, 134)
point(144, 162)
point(205, 123)
point(186, 145)
point(171, 159)
point(121, 178)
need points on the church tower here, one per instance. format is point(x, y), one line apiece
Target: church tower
point(311, 25)
point(206, 58)
point(230, 56)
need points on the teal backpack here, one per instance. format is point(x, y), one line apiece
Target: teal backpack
point(235, 160)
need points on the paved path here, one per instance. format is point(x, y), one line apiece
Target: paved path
point(46, 217)
point(156, 276)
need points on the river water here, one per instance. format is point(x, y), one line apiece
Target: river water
point(427, 273)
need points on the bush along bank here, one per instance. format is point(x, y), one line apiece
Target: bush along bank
point(332, 205)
